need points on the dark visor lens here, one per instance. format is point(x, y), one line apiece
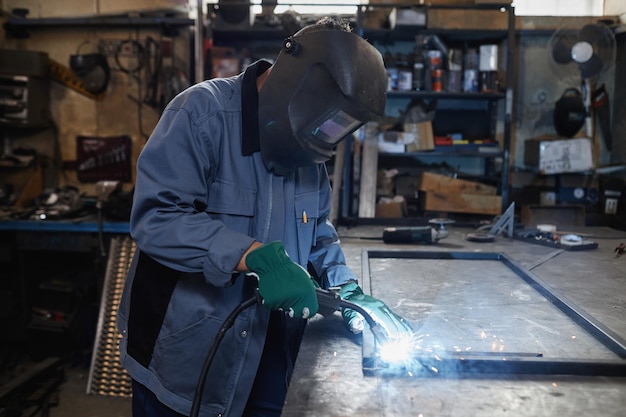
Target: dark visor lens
point(335, 127)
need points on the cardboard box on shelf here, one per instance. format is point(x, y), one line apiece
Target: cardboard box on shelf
point(556, 155)
point(407, 16)
point(385, 182)
point(391, 208)
point(416, 137)
point(376, 18)
point(393, 141)
point(422, 133)
point(562, 216)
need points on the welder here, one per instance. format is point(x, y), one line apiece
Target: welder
point(232, 199)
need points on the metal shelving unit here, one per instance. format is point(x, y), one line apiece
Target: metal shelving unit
point(490, 100)
point(19, 26)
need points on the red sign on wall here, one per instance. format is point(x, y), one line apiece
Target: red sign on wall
point(103, 158)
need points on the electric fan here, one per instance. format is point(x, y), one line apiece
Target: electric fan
point(590, 50)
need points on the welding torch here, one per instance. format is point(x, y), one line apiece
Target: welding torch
point(330, 300)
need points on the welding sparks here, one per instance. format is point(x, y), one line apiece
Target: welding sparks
point(397, 351)
point(417, 353)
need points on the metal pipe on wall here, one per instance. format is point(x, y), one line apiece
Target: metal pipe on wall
point(199, 41)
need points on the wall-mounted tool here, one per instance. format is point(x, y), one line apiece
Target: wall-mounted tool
point(418, 234)
point(92, 69)
point(65, 76)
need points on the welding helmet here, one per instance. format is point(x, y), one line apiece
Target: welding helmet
point(323, 86)
point(92, 68)
point(569, 113)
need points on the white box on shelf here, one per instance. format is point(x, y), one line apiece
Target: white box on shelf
point(557, 155)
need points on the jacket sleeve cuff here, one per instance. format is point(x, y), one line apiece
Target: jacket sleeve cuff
point(339, 275)
point(222, 258)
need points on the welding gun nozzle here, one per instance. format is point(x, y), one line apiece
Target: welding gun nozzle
point(328, 300)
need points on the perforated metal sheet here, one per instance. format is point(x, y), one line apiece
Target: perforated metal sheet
point(106, 375)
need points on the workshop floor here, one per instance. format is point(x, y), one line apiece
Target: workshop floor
point(74, 402)
point(329, 381)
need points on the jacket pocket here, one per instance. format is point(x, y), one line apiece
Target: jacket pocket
point(307, 215)
point(179, 372)
point(228, 198)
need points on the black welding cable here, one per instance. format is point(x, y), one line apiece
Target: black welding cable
point(228, 323)
point(335, 302)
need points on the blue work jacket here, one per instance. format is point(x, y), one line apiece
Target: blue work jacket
point(202, 196)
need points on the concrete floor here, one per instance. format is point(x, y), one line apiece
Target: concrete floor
point(74, 402)
point(329, 379)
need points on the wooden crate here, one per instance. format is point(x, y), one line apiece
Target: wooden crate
point(466, 19)
point(447, 194)
point(436, 182)
point(463, 203)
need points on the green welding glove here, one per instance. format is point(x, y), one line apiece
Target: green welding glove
point(392, 324)
point(283, 284)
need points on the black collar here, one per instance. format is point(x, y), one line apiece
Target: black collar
point(250, 108)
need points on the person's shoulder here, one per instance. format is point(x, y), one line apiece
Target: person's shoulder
point(219, 88)
point(220, 85)
point(216, 93)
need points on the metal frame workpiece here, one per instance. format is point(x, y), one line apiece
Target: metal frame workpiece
point(496, 363)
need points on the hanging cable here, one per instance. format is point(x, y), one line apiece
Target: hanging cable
point(228, 323)
point(153, 67)
point(134, 71)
